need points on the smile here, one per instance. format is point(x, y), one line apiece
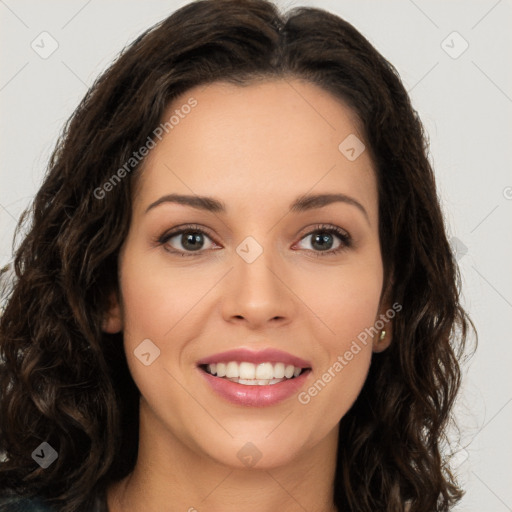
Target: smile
point(250, 374)
point(254, 378)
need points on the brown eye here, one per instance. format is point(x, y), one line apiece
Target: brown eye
point(185, 241)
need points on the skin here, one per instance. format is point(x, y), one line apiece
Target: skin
point(256, 148)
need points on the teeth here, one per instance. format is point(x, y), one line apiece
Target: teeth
point(251, 374)
point(247, 371)
point(232, 370)
point(279, 370)
point(288, 372)
point(221, 369)
point(256, 382)
point(264, 371)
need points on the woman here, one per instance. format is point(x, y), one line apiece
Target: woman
point(237, 291)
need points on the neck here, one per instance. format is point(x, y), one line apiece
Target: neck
point(170, 475)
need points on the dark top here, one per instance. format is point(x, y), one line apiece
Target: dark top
point(20, 504)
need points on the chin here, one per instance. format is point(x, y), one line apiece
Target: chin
point(261, 451)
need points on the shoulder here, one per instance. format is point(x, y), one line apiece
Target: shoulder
point(19, 504)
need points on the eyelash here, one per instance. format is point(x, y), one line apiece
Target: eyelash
point(345, 239)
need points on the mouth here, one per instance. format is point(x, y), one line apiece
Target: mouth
point(257, 379)
point(250, 374)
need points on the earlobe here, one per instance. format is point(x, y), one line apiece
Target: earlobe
point(382, 340)
point(112, 320)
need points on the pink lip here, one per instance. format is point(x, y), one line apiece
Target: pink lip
point(268, 355)
point(255, 396)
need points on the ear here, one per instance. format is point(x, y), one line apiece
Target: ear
point(112, 319)
point(384, 336)
point(384, 320)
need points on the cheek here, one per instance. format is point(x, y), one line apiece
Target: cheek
point(156, 297)
point(160, 303)
point(346, 300)
point(155, 301)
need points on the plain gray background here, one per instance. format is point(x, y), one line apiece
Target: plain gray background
point(463, 95)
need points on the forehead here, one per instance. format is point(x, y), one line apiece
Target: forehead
point(264, 142)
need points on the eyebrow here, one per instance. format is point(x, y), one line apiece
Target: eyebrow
point(301, 204)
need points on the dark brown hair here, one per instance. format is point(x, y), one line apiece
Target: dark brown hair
point(66, 382)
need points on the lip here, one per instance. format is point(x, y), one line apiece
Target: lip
point(268, 355)
point(255, 396)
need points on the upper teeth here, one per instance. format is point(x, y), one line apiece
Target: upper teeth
point(262, 371)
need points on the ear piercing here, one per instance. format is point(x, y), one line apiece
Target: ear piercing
point(382, 335)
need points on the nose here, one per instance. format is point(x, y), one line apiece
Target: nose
point(257, 293)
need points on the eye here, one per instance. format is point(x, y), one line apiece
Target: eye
point(189, 240)
point(323, 238)
point(186, 240)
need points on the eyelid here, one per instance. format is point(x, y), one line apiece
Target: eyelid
point(324, 227)
point(343, 235)
point(179, 230)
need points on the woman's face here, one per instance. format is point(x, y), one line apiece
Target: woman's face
point(253, 273)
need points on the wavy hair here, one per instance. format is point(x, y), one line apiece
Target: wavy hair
point(64, 381)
